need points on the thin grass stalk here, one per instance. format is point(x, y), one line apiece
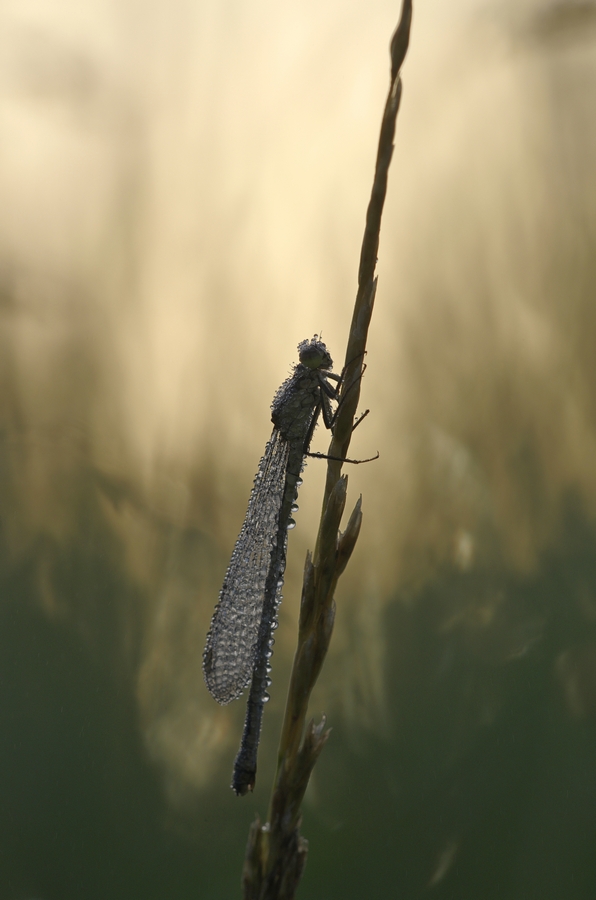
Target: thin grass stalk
point(276, 852)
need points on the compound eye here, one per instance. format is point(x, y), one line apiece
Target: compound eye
point(313, 354)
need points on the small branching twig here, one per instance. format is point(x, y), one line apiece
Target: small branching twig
point(276, 852)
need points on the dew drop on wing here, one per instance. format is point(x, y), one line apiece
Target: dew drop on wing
point(230, 651)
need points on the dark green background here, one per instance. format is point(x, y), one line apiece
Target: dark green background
point(513, 799)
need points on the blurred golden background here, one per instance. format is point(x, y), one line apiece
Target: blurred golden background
point(182, 198)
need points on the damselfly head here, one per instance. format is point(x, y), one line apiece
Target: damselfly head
point(314, 355)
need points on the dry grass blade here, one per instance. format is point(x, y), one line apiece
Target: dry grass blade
point(276, 852)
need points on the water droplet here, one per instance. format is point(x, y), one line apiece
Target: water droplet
point(295, 507)
point(266, 697)
point(291, 524)
point(299, 482)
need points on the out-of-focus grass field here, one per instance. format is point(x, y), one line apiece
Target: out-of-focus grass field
point(182, 197)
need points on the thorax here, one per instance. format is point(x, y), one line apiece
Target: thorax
point(294, 403)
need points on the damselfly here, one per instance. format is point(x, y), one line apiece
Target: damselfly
point(240, 639)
